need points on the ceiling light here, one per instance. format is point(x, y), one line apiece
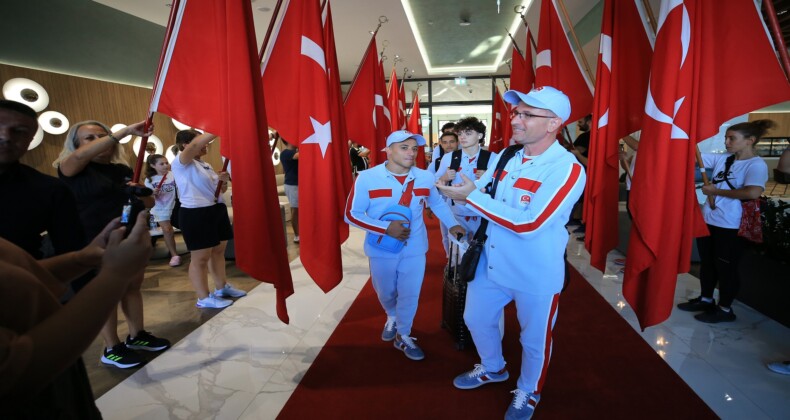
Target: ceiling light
point(53, 122)
point(118, 127)
point(27, 92)
point(37, 139)
point(465, 23)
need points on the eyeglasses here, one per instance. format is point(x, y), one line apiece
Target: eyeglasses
point(526, 115)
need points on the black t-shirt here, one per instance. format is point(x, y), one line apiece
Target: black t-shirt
point(100, 190)
point(583, 141)
point(290, 166)
point(34, 203)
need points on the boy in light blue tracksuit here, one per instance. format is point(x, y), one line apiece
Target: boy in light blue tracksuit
point(397, 277)
point(523, 257)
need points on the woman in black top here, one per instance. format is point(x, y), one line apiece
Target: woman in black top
point(94, 166)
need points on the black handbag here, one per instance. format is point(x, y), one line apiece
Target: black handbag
point(468, 266)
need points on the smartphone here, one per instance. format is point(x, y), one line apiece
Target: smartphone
point(131, 209)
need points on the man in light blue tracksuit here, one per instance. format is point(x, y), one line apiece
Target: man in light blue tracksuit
point(523, 257)
point(397, 276)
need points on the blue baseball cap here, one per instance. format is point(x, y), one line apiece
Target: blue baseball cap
point(543, 97)
point(403, 135)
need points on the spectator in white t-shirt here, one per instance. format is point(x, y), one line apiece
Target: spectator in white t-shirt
point(203, 219)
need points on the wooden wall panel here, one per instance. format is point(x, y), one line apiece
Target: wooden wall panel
point(81, 99)
point(782, 120)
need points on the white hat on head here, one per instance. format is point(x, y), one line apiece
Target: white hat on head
point(544, 97)
point(402, 135)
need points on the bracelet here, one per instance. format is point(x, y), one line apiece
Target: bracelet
point(113, 138)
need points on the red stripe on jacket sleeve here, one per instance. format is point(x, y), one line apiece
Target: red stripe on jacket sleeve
point(380, 193)
point(527, 184)
point(354, 220)
point(552, 206)
point(422, 192)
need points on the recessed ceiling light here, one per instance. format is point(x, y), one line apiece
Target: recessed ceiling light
point(265, 9)
point(465, 23)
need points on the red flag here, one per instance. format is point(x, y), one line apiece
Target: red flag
point(620, 88)
point(382, 114)
point(296, 82)
point(394, 105)
point(518, 72)
point(529, 66)
point(415, 126)
point(362, 106)
point(221, 93)
point(499, 131)
point(402, 104)
point(556, 64)
point(691, 93)
point(342, 161)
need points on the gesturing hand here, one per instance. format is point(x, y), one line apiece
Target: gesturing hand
point(458, 191)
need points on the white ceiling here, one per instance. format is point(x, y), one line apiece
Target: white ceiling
point(354, 19)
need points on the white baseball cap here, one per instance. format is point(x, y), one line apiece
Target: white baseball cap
point(403, 135)
point(544, 97)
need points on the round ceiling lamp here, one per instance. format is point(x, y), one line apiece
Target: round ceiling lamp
point(152, 139)
point(181, 126)
point(118, 127)
point(53, 122)
point(37, 139)
point(27, 92)
point(170, 155)
point(276, 156)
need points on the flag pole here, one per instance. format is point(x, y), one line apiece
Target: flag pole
point(519, 10)
point(576, 39)
point(382, 20)
point(778, 38)
point(138, 167)
point(513, 40)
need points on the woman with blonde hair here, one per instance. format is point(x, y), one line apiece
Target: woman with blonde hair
point(94, 166)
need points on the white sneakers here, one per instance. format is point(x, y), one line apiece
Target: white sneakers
point(215, 299)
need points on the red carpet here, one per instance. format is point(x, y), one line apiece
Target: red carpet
point(601, 368)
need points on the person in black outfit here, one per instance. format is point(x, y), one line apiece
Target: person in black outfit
point(581, 147)
point(93, 166)
point(34, 203)
point(359, 157)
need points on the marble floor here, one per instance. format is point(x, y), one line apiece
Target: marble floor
point(243, 363)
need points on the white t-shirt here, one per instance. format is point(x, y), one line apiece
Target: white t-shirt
point(747, 172)
point(166, 199)
point(196, 183)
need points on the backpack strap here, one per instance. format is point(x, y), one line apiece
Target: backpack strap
point(455, 161)
point(482, 160)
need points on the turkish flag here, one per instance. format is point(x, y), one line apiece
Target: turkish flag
point(414, 125)
point(620, 89)
point(501, 116)
point(364, 104)
point(383, 115)
point(296, 82)
point(518, 72)
point(398, 121)
point(221, 93)
point(342, 161)
point(703, 73)
point(556, 64)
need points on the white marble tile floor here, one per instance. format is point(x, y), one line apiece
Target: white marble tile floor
point(244, 363)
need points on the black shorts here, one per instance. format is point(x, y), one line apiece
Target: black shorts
point(205, 227)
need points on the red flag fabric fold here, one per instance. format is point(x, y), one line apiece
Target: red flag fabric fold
point(296, 82)
point(620, 88)
point(500, 136)
point(211, 79)
point(556, 65)
point(414, 125)
point(398, 118)
point(364, 105)
point(342, 161)
point(519, 78)
point(703, 73)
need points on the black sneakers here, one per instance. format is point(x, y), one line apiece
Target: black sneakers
point(147, 341)
point(121, 356)
point(715, 316)
point(697, 305)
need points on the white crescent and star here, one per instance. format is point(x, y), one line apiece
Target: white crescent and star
point(322, 133)
point(651, 108)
